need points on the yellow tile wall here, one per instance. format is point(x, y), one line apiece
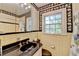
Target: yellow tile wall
point(62, 43)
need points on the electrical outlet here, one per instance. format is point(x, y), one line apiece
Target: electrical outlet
point(53, 47)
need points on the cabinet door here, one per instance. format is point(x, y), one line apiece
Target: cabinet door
point(38, 52)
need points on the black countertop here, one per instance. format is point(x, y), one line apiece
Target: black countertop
point(26, 53)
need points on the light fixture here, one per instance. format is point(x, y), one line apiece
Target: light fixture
point(25, 5)
point(29, 6)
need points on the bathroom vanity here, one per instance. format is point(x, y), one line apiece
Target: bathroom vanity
point(22, 48)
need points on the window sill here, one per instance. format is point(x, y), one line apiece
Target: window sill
point(60, 34)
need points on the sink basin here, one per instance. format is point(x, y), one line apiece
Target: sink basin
point(30, 45)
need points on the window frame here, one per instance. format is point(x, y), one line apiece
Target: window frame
point(63, 21)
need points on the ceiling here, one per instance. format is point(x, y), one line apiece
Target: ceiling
point(40, 4)
point(13, 8)
point(16, 8)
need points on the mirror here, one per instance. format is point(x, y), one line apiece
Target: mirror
point(13, 17)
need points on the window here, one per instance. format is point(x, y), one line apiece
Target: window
point(21, 25)
point(29, 24)
point(54, 22)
